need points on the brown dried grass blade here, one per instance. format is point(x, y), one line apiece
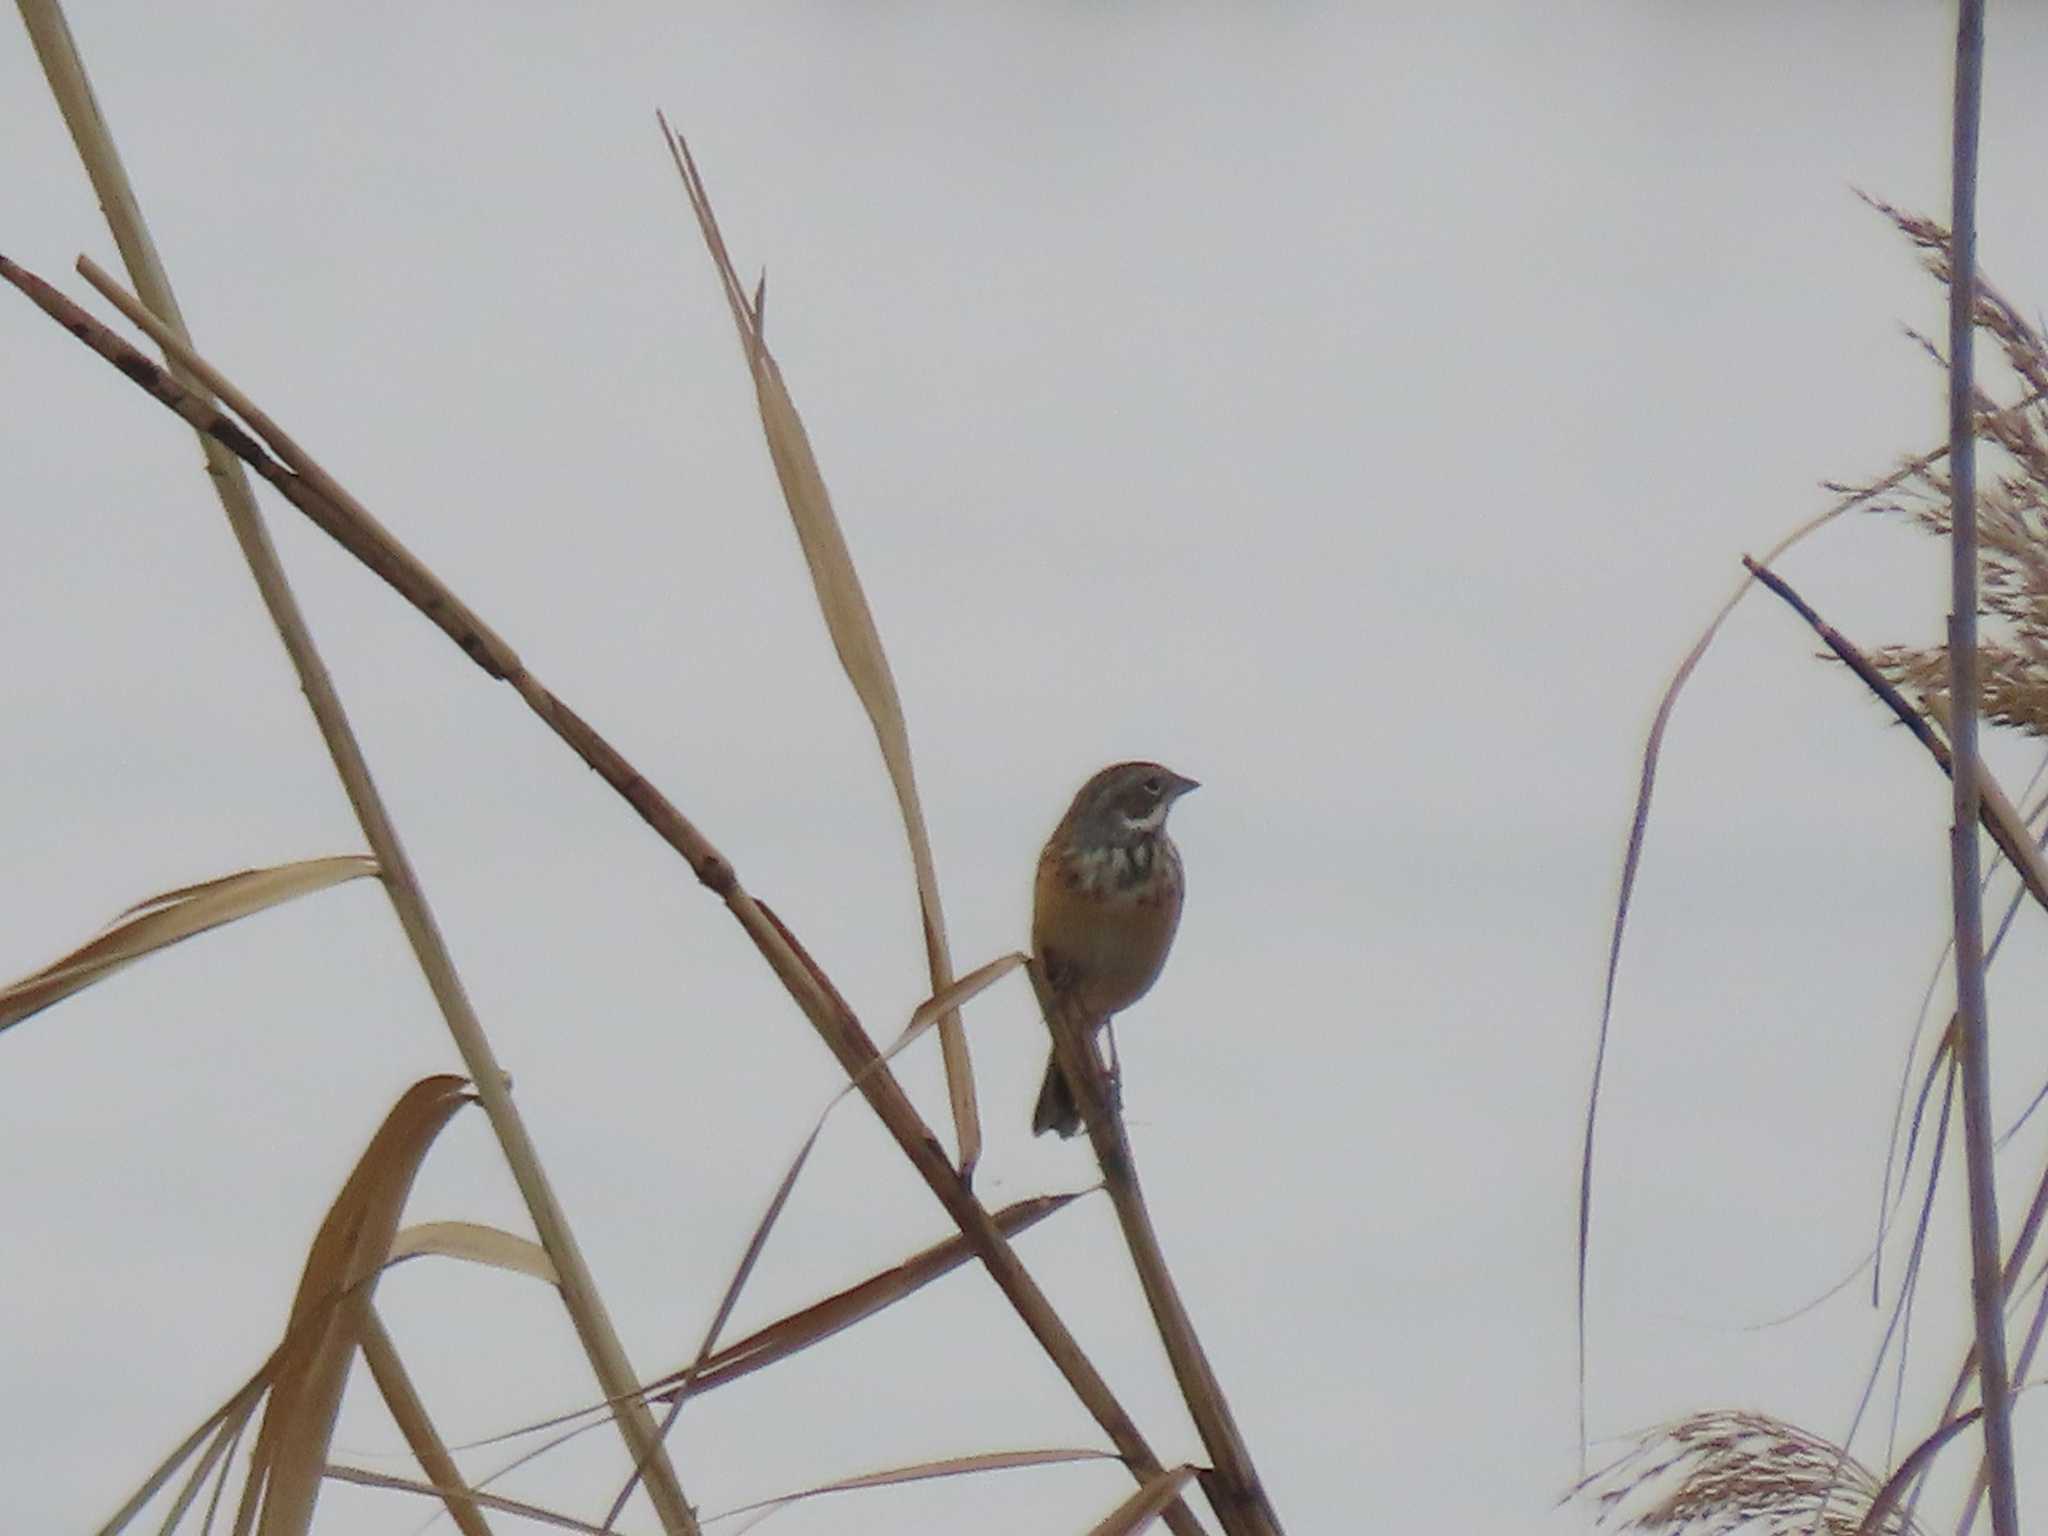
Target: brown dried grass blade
point(814, 1324)
point(1145, 1504)
point(1632, 859)
point(848, 619)
point(919, 1472)
point(222, 1429)
point(475, 1244)
point(364, 1478)
point(944, 1004)
point(947, 1002)
point(799, 1330)
point(170, 918)
point(340, 1268)
point(326, 1319)
point(1880, 1519)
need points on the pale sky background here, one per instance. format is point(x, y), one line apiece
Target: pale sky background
point(1358, 408)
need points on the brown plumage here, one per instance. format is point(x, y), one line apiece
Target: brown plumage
point(1104, 908)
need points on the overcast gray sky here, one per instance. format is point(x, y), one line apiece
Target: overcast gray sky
point(1359, 408)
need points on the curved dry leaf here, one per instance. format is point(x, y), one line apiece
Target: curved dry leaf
point(362, 1477)
point(476, 1244)
point(347, 1254)
point(849, 621)
point(933, 1007)
point(303, 1375)
point(923, 1471)
point(1631, 866)
point(169, 918)
point(950, 999)
point(1884, 1514)
point(819, 1321)
point(799, 1330)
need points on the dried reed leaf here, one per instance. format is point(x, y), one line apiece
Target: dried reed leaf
point(1145, 1503)
point(169, 918)
point(219, 1434)
point(362, 1477)
point(948, 1001)
point(921, 1472)
point(1885, 1513)
point(1733, 1470)
point(937, 1007)
point(1631, 866)
point(848, 619)
point(342, 1266)
point(476, 1244)
point(723, 1314)
point(813, 1324)
point(303, 1375)
point(799, 1330)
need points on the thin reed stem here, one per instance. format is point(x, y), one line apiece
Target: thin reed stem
point(1987, 1294)
point(1232, 1483)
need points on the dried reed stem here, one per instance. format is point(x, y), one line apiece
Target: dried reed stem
point(73, 91)
point(387, 1369)
point(2030, 1228)
point(1232, 1483)
point(1986, 1293)
point(1994, 812)
point(343, 519)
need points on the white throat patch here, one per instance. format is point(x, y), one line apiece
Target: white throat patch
point(1151, 821)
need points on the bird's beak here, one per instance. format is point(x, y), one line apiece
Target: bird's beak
point(1181, 786)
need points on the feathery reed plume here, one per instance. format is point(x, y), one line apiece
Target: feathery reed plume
point(2012, 512)
point(1727, 1470)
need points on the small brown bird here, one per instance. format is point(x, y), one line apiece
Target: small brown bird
point(1104, 909)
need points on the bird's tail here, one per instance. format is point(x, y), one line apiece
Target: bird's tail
point(1056, 1109)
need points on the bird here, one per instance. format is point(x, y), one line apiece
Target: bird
point(1105, 904)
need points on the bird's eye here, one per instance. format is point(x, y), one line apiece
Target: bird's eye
point(1153, 785)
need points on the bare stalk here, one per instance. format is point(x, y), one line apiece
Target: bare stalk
point(1986, 1293)
point(387, 1369)
point(65, 71)
point(1994, 811)
point(337, 513)
point(1232, 1483)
